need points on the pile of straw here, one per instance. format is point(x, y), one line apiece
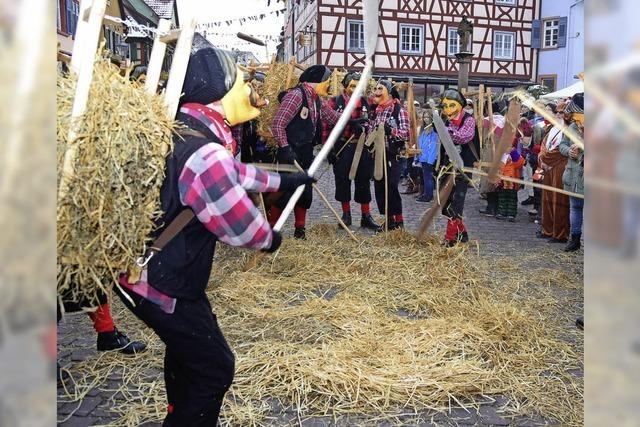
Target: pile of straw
point(384, 327)
point(113, 200)
point(275, 82)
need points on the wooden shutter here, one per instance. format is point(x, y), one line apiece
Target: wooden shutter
point(562, 32)
point(536, 34)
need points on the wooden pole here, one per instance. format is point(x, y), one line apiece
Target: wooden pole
point(157, 57)
point(180, 60)
point(519, 181)
point(413, 118)
point(480, 114)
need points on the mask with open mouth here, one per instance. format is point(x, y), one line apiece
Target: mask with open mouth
point(241, 103)
point(382, 92)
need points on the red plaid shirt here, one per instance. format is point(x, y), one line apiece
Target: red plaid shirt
point(384, 113)
point(462, 133)
point(215, 186)
point(289, 107)
point(356, 114)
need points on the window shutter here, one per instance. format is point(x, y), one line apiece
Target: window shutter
point(536, 34)
point(562, 32)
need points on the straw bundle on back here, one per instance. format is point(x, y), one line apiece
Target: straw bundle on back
point(113, 198)
point(274, 83)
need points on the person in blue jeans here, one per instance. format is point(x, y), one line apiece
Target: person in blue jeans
point(429, 147)
point(573, 176)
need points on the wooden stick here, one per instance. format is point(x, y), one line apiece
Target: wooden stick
point(179, 64)
point(275, 167)
point(322, 196)
point(413, 119)
point(430, 214)
point(480, 115)
point(157, 56)
point(386, 191)
point(506, 140)
point(82, 44)
point(551, 119)
point(519, 181)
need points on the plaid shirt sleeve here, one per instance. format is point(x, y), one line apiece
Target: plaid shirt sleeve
point(402, 131)
point(213, 184)
point(328, 115)
point(463, 134)
point(288, 109)
point(326, 127)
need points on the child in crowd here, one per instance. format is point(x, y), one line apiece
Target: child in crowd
point(512, 163)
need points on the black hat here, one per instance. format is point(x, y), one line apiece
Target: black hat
point(390, 88)
point(577, 104)
point(315, 74)
point(350, 76)
point(210, 74)
point(456, 95)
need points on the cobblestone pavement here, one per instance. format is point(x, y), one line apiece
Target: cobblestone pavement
point(76, 339)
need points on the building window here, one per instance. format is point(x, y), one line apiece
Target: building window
point(503, 45)
point(72, 10)
point(507, 2)
point(355, 36)
point(549, 81)
point(551, 28)
point(411, 39)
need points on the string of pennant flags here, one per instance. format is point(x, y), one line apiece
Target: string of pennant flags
point(263, 37)
point(242, 20)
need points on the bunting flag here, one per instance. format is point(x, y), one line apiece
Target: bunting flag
point(242, 20)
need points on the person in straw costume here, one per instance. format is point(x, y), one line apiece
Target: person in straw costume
point(297, 128)
point(343, 153)
point(462, 128)
point(390, 114)
point(201, 175)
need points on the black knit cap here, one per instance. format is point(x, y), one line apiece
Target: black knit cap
point(390, 88)
point(577, 104)
point(349, 77)
point(315, 74)
point(210, 74)
point(456, 95)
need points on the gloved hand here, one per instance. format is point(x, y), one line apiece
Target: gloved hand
point(291, 181)
point(360, 121)
point(331, 157)
point(285, 155)
point(276, 241)
point(515, 156)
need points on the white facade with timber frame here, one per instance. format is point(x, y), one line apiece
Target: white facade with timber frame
point(418, 39)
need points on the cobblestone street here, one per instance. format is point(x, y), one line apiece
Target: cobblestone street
point(76, 338)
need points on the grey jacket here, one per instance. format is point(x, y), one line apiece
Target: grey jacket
point(573, 176)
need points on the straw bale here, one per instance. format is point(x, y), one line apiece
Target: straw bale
point(274, 83)
point(113, 201)
point(387, 326)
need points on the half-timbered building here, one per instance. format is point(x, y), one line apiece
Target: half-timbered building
point(418, 39)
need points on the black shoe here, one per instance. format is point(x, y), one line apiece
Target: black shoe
point(529, 201)
point(346, 218)
point(463, 237)
point(423, 199)
point(554, 240)
point(541, 235)
point(116, 340)
point(574, 243)
point(394, 225)
point(487, 212)
point(298, 233)
point(500, 217)
point(580, 323)
point(368, 223)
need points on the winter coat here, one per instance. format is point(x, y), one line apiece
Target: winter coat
point(573, 176)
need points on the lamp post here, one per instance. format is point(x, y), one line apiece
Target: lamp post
point(464, 56)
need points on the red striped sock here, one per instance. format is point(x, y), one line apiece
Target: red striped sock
point(364, 207)
point(300, 215)
point(346, 207)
